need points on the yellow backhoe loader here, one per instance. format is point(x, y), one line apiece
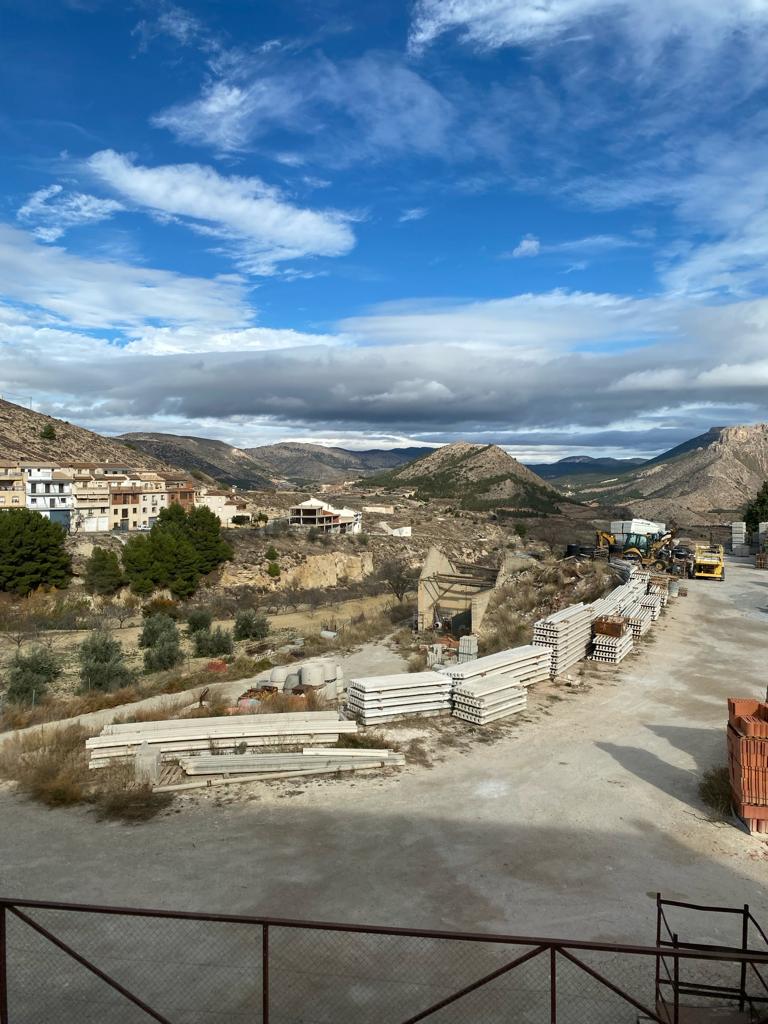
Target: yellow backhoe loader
point(653, 551)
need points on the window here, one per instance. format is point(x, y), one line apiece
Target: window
point(14, 501)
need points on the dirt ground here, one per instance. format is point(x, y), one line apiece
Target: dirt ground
point(567, 825)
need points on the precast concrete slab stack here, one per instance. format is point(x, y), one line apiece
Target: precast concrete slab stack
point(296, 763)
point(652, 602)
point(373, 699)
point(739, 544)
point(568, 633)
point(467, 648)
point(189, 736)
point(495, 687)
point(611, 649)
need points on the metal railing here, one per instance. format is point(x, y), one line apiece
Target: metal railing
point(749, 990)
point(79, 963)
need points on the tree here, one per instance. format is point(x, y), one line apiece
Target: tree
point(198, 619)
point(163, 654)
point(30, 675)
point(155, 627)
point(138, 563)
point(210, 643)
point(251, 625)
point(271, 554)
point(103, 574)
point(397, 576)
point(273, 570)
point(204, 531)
point(521, 529)
point(32, 552)
point(240, 520)
point(102, 664)
point(757, 509)
point(48, 433)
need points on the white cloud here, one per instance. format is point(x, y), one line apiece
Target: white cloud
point(528, 245)
point(52, 211)
point(592, 245)
point(415, 213)
point(159, 341)
point(105, 294)
point(246, 211)
point(699, 27)
point(369, 107)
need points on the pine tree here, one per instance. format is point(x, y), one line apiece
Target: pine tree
point(102, 664)
point(32, 552)
point(204, 531)
point(138, 563)
point(103, 574)
point(30, 675)
point(757, 509)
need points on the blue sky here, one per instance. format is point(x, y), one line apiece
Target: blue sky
point(536, 222)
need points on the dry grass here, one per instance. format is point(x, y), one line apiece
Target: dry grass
point(50, 766)
point(56, 709)
point(715, 790)
point(366, 741)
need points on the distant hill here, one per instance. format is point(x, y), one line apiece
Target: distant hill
point(709, 478)
point(215, 459)
point(302, 462)
point(21, 437)
point(476, 476)
point(583, 465)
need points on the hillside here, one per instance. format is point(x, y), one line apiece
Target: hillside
point(583, 465)
point(706, 479)
point(215, 459)
point(20, 437)
point(476, 476)
point(301, 462)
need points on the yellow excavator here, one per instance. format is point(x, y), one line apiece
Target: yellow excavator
point(653, 551)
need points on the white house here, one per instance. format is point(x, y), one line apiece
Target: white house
point(49, 492)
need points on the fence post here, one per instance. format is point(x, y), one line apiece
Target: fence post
point(3, 965)
point(264, 974)
point(744, 947)
point(552, 985)
point(676, 1005)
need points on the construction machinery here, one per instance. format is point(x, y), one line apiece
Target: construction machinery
point(654, 551)
point(709, 562)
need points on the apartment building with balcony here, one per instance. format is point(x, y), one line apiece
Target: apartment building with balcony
point(92, 500)
point(12, 490)
point(48, 490)
point(223, 504)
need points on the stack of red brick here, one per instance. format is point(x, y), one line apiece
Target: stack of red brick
point(748, 761)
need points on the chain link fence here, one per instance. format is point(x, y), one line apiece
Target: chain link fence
point(88, 966)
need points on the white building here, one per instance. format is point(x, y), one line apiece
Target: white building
point(49, 491)
point(223, 504)
point(320, 515)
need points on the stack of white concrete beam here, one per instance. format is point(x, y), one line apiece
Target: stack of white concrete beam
point(739, 544)
point(494, 687)
point(611, 649)
point(640, 621)
point(188, 736)
point(372, 699)
point(568, 633)
point(308, 761)
point(652, 601)
point(467, 648)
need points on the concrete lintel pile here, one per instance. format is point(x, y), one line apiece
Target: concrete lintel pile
point(373, 699)
point(312, 762)
point(467, 648)
point(739, 544)
point(612, 647)
point(495, 686)
point(188, 736)
point(653, 603)
point(568, 633)
point(747, 733)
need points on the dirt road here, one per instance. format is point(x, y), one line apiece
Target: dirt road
point(567, 827)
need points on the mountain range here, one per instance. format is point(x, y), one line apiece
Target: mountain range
point(706, 479)
point(288, 462)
